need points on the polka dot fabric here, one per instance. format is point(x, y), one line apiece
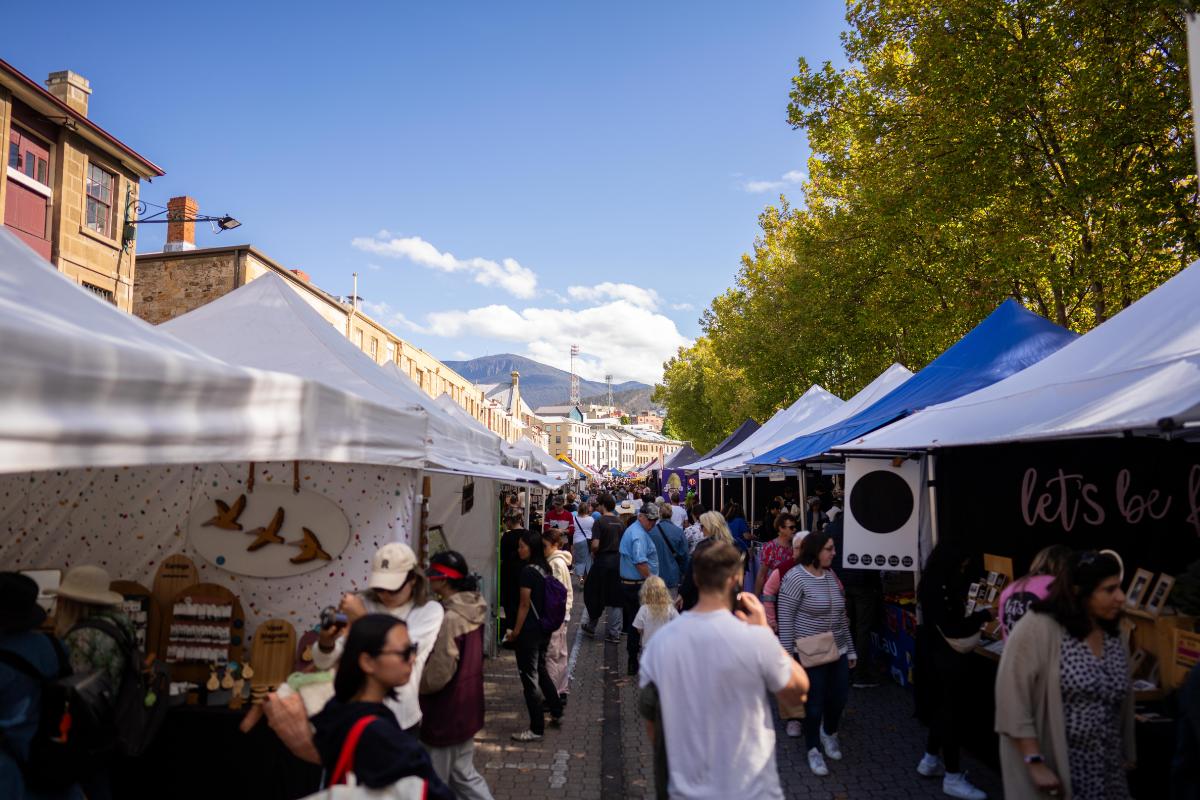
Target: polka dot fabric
point(1093, 690)
point(128, 519)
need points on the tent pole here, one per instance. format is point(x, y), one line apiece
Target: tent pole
point(745, 505)
point(753, 502)
point(933, 509)
point(803, 485)
point(722, 480)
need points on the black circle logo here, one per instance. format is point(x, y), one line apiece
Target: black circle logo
point(881, 501)
point(880, 561)
point(894, 561)
point(852, 559)
point(907, 561)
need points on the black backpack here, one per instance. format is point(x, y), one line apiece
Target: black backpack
point(139, 704)
point(69, 742)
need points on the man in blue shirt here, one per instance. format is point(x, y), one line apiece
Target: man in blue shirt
point(639, 560)
point(671, 546)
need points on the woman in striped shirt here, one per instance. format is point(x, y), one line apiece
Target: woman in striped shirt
point(811, 602)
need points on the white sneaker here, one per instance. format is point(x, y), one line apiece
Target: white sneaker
point(955, 784)
point(931, 766)
point(795, 729)
point(816, 762)
point(829, 743)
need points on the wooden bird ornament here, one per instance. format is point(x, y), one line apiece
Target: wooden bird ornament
point(269, 534)
point(310, 549)
point(227, 516)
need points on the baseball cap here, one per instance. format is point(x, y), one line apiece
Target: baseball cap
point(391, 565)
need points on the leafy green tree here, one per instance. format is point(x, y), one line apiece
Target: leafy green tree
point(974, 150)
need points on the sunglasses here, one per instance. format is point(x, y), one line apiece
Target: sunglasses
point(407, 653)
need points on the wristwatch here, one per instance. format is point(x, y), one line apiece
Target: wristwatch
point(1036, 758)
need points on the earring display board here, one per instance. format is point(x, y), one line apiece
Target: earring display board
point(205, 626)
point(272, 656)
point(174, 574)
point(136, 607)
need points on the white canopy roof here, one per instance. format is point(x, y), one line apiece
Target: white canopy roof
point(86, 385)
point(266, 324)
point(784, 426)
point(524, 454)
point(1137, 368)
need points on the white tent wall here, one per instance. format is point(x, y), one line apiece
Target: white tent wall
point(475, 534)
point(127, 519)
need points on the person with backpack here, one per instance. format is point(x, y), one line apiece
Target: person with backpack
point(452, 684)
point(100, 639)
point(532, 638)
point(556, 655)
point(28, 659)
point(357, 732)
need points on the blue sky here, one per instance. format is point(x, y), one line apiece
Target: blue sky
point(502, 176)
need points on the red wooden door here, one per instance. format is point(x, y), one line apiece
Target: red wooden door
point(25, 209)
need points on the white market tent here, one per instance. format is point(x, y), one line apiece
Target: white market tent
point(112, 432)
point(1138, 369)
point(813, 405)
point(268, 325)
point(531, 457)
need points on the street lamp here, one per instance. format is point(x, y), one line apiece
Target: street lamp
point(135, 209)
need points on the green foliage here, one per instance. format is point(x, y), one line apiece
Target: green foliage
point(624, 419)
point(974, 150)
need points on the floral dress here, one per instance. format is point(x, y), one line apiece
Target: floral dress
point(774, 554)
point(1093, 691)
point(92, 650)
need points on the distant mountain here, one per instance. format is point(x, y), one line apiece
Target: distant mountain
point(543, 385)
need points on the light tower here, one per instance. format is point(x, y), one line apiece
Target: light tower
point(574, 376)
point(609, 400)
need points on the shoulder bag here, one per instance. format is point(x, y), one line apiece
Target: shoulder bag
point(344, 786)
point(818, 650)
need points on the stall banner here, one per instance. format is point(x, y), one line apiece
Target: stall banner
point(1140, 497)
point(271, 531)
point(883, 505)
point(678, 480)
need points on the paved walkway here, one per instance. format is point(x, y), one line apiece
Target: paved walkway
point(602, 750)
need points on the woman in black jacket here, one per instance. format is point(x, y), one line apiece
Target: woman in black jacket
point(940, 680)
point(378, 657)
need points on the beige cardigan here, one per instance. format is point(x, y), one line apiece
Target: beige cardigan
point(1029, 706)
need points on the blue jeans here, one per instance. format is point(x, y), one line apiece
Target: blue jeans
point(582, 554)
point(828, 690)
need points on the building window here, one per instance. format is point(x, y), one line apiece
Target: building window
point(108, 296)
point(558, 440)
point(391, 352)
point(374, 349)
point(28, 156)
point(358, 339)
point(100, 186)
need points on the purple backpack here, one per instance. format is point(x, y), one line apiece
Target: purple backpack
point(554, 603)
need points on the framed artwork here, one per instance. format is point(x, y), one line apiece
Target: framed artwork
point(1159, 595)
point(436, 537)
point(1138, 588)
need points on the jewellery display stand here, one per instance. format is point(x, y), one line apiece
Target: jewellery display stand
point(175, 573)
point(272, 656)
point(137, 607)
point(205, 626)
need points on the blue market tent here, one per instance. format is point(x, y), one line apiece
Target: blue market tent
point(732, 440)
point(684, 455)
point(1009, 340)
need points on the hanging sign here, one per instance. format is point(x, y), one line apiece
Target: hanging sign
point(272, 532)
point(883, 505)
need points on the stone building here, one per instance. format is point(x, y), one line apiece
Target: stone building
point(182, 278)
point(70, 186)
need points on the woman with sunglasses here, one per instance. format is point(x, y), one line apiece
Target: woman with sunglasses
point(776, 551)
point(377, 658)
point(1064, 705)
point(397, 588)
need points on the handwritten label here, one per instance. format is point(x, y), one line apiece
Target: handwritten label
point(1068, 499)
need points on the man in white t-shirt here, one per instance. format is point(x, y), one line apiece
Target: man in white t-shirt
point(705, 676)
point(678, 512)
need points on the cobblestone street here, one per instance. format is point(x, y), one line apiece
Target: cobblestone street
point(602, 750)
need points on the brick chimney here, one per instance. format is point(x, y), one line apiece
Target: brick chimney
point(181, 230)
point(71, 88)
point(516, 394)
point(302, 275)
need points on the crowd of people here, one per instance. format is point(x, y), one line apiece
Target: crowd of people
point(707, 608)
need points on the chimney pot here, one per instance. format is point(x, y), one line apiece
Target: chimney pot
point(181, 230)
point(71, 88)
point(302, 275)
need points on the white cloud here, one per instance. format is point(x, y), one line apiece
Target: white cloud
point(682, 307)
point(461, 355)
point(390, 317)
point(642, 298)
point(619, 337)
point(507, 273)
point(789, 178)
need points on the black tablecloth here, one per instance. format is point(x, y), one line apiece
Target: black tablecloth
point(200, 753)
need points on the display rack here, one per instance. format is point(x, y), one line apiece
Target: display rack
point(174, 574)
point(205, 626)
point(137, 607)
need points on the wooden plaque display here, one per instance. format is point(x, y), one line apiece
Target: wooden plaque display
point(273, 653)
point(175, 573)
point(205, 626)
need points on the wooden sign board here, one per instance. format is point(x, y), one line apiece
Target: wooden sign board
point(273, 653)
point(174, 574)
point(1186, 650)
